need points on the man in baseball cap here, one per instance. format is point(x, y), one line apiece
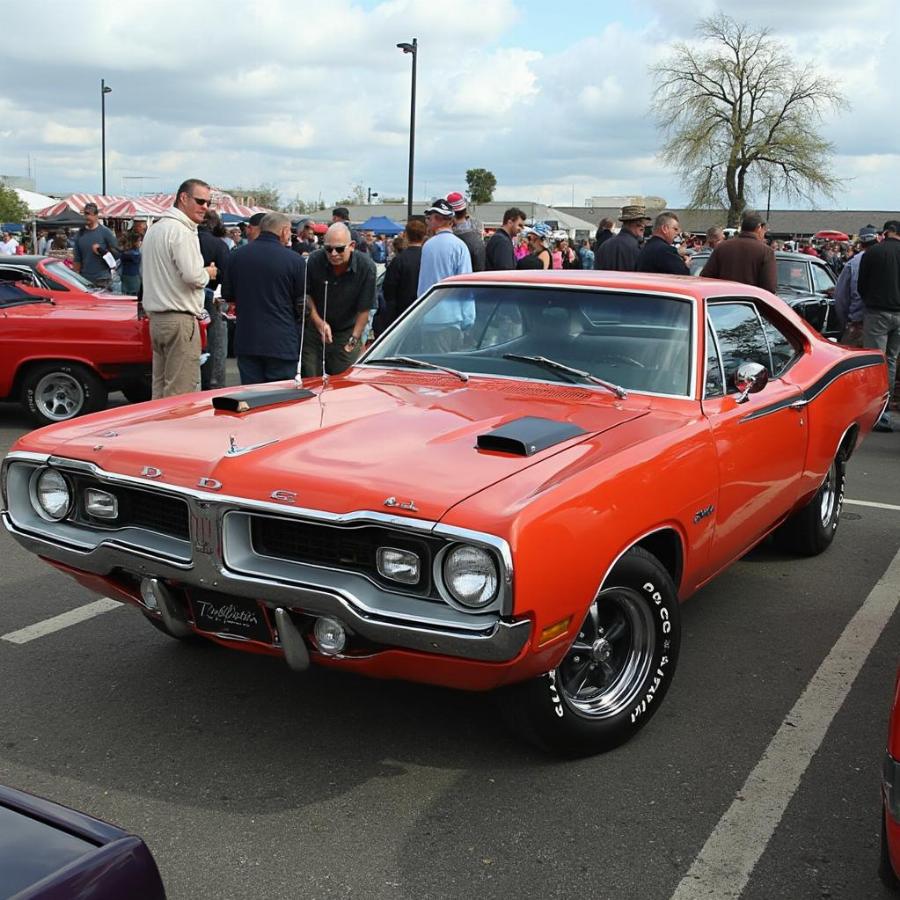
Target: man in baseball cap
point(847, 303)
point(444, 254)
point(466, 230)
point(253, 228)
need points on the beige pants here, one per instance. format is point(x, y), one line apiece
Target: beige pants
point(175, 339)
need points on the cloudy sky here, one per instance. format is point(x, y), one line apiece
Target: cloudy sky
point(315, 97)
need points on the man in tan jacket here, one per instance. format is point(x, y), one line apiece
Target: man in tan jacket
point(173, 281)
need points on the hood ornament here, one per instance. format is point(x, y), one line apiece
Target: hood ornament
point(394, 503)
point(234, 450)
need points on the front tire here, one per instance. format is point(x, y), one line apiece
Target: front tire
point(57, 392)
point(617, 671)
point(810, 530)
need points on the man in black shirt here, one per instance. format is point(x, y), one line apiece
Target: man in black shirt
point(340, 294)
point(401, 279)
point(214, 250)
point(604, 233)
point(879, 287)
point(658, 254)
point(499, 253)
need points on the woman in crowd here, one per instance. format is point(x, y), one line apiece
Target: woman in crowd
point(538, 255)
point(130, 259)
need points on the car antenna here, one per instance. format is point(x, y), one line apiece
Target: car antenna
point(298, 378)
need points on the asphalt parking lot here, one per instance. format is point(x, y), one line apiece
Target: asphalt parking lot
point(250, 781)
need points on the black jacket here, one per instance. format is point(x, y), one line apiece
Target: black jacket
point(213, 250)
point(475, 244)
point(658, 255)
point(401, 282)
point(499, 254)
point(602, 237)
point(879, 276)
point(265, 281)
point(618, 254)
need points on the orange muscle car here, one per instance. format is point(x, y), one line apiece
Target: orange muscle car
point(512, 489)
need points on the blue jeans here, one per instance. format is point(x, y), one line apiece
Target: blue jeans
point(260, 369)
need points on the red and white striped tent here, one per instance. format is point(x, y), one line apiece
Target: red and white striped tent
point(132, 208)
point(76, 203)
point(221, 202)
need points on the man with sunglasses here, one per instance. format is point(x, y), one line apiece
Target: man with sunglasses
point(174, 279)
point(340, 292)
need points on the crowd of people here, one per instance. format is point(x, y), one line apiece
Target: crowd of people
point(306, 304)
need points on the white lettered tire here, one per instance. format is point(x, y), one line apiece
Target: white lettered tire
point(617, 671)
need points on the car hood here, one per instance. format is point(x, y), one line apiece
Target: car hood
point(363, 440)
point(74, 308)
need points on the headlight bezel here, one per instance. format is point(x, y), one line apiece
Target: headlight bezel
point(450, 596)
point(34, 493)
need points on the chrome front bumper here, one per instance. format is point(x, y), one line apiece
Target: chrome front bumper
point(228, 565)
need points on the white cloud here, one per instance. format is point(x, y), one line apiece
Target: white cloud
point(315, 98)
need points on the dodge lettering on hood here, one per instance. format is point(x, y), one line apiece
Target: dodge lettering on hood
point(513, 490)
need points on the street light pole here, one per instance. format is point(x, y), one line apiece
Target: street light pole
point(104, 90)
point(412, 48)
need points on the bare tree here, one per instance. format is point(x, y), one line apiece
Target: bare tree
point(740, 117)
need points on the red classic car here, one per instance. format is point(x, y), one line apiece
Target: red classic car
point(49, 277)
point(61, 358)
point(889, 866)
point(513, 488)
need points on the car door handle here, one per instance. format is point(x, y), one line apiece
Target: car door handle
point(798, 404)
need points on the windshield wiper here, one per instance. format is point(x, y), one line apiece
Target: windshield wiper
point(561, 367)
point(418, 364)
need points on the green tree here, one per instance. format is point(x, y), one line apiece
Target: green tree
point(12, 209)
point(740, 117)
point(263, 195)
point(481, 184)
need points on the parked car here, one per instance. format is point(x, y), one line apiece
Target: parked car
point(805, 283)
point(513, 489)
point(49, 852)
point(52, 277)
point(889, 865)
point(60, 359)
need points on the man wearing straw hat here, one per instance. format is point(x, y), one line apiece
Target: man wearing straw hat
point(620, 253)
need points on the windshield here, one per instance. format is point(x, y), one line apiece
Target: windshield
point(638, 341)
point(66, 278)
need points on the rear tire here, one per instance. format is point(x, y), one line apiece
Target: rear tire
point(617, 671)
point(138, 391)
point(57, 392)
point(810, 530)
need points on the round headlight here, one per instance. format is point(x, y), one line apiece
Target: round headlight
point(52, 495)
point(470, 575)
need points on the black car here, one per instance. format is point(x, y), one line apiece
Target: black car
point(805, 283)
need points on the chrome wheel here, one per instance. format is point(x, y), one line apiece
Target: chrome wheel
point(828, 496)
point(605, 668)
point(59, 396)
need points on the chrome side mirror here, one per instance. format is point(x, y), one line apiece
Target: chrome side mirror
point(750, 378)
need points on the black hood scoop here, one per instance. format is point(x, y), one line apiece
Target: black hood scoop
point(244, 401)
point(528, 435)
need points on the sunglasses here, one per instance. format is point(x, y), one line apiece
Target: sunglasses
point(200, 201)
point(337, 250)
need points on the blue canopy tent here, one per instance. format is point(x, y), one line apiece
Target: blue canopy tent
point(380, 225)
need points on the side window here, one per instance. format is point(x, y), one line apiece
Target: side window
point(822, 279)
point(741, 337)
point(714, 383)
point(11, 273)
point(784, 350)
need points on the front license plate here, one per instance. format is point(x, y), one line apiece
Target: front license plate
point(230, 615)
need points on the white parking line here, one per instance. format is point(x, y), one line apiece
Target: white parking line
point(63, 620)
point(723, 866)
point(872, 503)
